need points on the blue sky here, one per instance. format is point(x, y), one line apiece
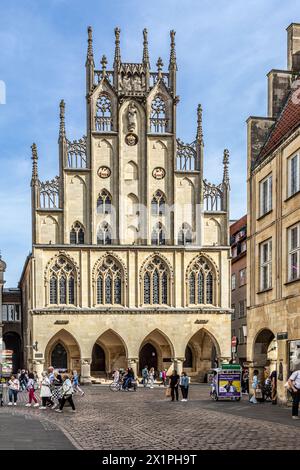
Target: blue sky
point(224, 51)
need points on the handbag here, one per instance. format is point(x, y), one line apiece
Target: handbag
point(258, 393)
point(168, 392)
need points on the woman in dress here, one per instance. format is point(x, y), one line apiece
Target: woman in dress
point(57, 384)
point(45, 393)
point(151, 377)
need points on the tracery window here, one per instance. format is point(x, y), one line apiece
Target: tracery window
point(103, 117)
point(156, 282)
point(104, 234)
point(185, 234)
point(109, 282)
point(77, 234)
point(104, 202)
point(158, 203)
point(62, 283)
point(158, 121)
point(158, 236)
point(201, 283)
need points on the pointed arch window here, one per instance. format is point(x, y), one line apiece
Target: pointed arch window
point(109, 282)
point(62, 283)
point(158, 203)
point(104, 234)
point(158, 120)
point(103, 115)
point(185, 235)
point(158, 236)
point(104, 202)
point(77, 234)
point(201, 283)
point(156, 282)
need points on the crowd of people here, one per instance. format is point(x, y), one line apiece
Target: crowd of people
point(173, 382)
point(55, 389)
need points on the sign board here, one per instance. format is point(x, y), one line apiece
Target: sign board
point(7, 362)
point(283, 335)
point(229, 384)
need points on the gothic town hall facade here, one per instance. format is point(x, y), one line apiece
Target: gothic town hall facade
point(130, 256)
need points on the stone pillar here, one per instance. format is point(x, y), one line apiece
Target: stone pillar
point(86, 371)
point(38, 367)
point(178, 364)
point(132, 362)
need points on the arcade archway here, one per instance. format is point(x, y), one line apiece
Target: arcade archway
point(201, 354)
point(109, 353)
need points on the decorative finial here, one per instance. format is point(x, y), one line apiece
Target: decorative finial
point(90, 54)
point(34, 163)
point(62, 129)
point(226, 164)
point(117, 58)
point(104, 64)
point(199, 136)
point(172, 64)
point(146, 60)
point(159, 65)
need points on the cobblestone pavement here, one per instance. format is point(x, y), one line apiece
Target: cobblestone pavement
point(146, 419)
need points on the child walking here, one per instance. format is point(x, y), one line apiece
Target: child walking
point(76, 387)
point(31, 386)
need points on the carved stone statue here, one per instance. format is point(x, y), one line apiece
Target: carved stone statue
point(137, 83)
point(131, 116)
point(126, 84)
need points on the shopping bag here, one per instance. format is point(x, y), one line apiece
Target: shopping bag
point(258, 393)
point(168, 392)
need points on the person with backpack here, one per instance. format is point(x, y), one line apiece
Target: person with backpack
point(67, 392)
point(145, 375)
point(31, 387)
point(294, 386)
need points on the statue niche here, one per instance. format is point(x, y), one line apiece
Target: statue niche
point(131, 117)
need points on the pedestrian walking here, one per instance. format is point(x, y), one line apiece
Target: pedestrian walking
point(68, 391)
point(31, 387)
point(2, 381)
point(45, 392)
point(294, 384)
point(145, 376)
point(151, 377)
point(23, 380)
point(56, 389)
point(254, 387)
point(184, 386)
point(13, 389)
point(174, 384)
point(116, 376)
point(75, 383)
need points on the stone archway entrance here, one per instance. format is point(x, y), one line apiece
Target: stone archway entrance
point(156, 351)
point(265, 350)
point(148, 357)
point(201, 354)
point(12, 341)
point(62, 352)
point(98, 360)
point(109, 353)
point(59, 357)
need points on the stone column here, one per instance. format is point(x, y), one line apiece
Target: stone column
point(132, 362)
point(38, 367)
point(86, 371)
point(178, 364)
